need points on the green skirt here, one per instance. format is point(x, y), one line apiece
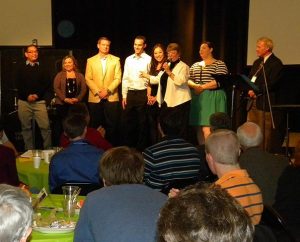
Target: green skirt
point(205, 104)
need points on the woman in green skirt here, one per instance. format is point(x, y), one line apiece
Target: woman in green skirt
point(207, 97)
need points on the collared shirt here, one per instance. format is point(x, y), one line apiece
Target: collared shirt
point(32, 63)
point(103, 63)
point(133, 67)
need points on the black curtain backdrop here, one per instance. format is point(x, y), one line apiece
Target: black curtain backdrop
point(187, 22)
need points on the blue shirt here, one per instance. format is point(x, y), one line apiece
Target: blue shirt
point(121, 213)
point(79, 162)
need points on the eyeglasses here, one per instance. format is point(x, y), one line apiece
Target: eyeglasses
point(32, 52)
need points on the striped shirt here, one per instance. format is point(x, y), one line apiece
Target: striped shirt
point(169, 160)
point(239, 185)
point(201, 73)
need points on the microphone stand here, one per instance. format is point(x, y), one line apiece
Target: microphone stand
point(266, 91)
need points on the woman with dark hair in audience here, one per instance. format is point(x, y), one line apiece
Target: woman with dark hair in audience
point(156, 65)
point(70, 88)
point(207, 97)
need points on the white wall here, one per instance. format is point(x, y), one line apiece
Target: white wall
point(280, 21)
point(21, 21)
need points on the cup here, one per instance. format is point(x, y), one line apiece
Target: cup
point(36, 162)
point(36, 157)
point(48, 155)
point(70, 201)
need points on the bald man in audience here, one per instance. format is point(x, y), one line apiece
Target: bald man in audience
point(222, 149)
point(265, 168)
point(222, 153)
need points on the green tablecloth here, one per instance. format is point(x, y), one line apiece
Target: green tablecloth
point(36, 179)
point(53, 200)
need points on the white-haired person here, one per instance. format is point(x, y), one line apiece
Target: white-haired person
point(15, 214)
point(263, 167)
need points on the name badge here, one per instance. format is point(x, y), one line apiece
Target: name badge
point(253, 79)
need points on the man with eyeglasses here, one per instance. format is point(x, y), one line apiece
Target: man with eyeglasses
point(33, 83)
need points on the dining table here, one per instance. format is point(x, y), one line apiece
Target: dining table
point(35, 178)
point(53, 201)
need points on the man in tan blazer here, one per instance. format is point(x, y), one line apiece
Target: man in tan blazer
point(103, 76)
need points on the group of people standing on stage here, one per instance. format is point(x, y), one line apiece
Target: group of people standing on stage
point(151, 85)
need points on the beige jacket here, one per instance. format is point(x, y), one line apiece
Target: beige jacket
point(96, 79)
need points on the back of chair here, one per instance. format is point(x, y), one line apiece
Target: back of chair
point(85, 187)
point(271, 218)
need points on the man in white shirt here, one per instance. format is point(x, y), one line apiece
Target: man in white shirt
point(134, 93)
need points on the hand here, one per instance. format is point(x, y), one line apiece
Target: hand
point(124, 103)
point(198, 89)
point(144, 74)
point(251, 94)
point(101, 130)
point(74, 100)
point(103, 93)
point(166, 67)
point(68, 100)
point(32, 98)
point(173, 192)
point(151, 100)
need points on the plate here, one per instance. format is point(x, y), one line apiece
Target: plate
point(48, 230)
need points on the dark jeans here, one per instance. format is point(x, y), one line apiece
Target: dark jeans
point(107, 115)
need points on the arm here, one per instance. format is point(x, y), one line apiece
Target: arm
point(82, 230)
point(57, 86)
point(148, 164)
point(117, 77)
point(89, 75)
point(52, 178)
point(274, 73)
point(179, 75)
point(82, 87)
point(6, 142)
point(125, 85)
point(221, 69)
point(125, 81)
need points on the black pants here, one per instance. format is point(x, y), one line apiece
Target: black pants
point(107, 115)
point(181, 114)
point(61, 112)
point(134, 121)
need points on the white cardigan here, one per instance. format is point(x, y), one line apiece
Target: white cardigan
point(177, 91)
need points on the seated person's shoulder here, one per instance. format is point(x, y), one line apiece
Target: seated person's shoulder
point(4, 150)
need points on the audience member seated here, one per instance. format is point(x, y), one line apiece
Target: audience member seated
point(204, 213)
point(222, 153)
point(263, 167)
point(125, 209)
point(219, 120)
point(8, 169)
point(173, 158)
point(93, 136)
point(287, 199)
point(5, 141)
point(79, 161)
point(15, 214)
